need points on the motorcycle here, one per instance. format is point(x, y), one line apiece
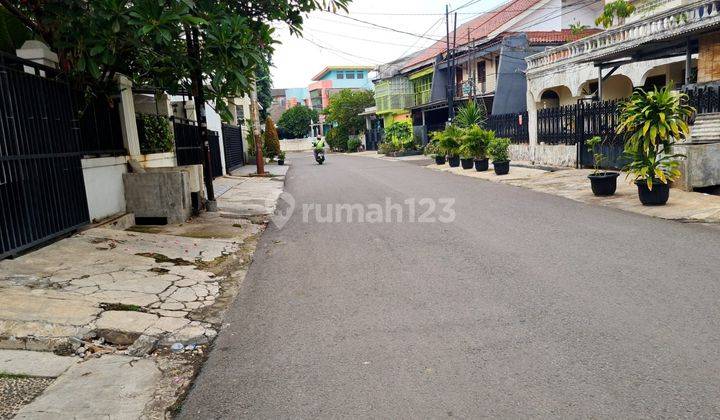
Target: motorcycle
point(320, 157)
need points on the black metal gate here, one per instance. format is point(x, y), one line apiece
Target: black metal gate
point(373, 138)
point(42, 192)
point(600, 119)
point(233, 145)
point(215, 158)
point(187, 145)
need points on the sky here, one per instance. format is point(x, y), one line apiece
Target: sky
point(335, 40)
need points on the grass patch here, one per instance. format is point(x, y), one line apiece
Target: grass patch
point(5, 375)
point(121, 307)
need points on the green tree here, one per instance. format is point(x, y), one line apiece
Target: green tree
point(264, 90)
point(619, 9)
point(345, 108)
point(271, 140)
point(147, 40)
point(296, 120)
point(12, 32)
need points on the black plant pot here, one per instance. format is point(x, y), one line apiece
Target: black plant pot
point(467, 163)
point(603, 183)
point(439, 160)
point(481, 165)
point(501, 168)
point(281, 162)
point(454, 161)
point(657, 197)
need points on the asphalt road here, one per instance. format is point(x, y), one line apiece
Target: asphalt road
point(527, 305)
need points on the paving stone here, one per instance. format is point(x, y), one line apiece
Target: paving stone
point(33, 363)
point(186, 282)
point(171, 306)
point(123, 327)
point(117, 387)
point(170, 324)
point(174, 314)
point(51, 306)
point(184, 294)
point(125, 297)
point(144, 344)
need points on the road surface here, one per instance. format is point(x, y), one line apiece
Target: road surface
point(527, 305)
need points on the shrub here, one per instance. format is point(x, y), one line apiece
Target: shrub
point(471, 114)
point(353, 144)
point(337, 139)
point(449, 140)
point(475, 142)
point(432, 148)
point(654, 120)
point(270, 139)
point(387, 147)
point(498, 149)
point(155, 134)
point(400, 134)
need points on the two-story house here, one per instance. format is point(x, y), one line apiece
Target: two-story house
point(486, 62)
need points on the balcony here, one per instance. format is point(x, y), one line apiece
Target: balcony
point(662, 26)
point(468, 87)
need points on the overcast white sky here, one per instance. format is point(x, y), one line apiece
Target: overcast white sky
point(347, 42)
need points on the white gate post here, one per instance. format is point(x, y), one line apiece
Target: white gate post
point(127, 117)
point(532, 124)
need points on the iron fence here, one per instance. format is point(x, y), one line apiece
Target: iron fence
point(187, 141)
point(215, 158)
point(704, 98)
point(513, 126)
point(557, 125)
point(42, 191)
point(100, 126)
point(373, 138)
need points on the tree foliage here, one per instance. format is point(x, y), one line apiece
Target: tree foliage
point(617, 9)
point(296, 120)
point(146, 40)
point(345, 108)
point(271, 140)
point(264, 90)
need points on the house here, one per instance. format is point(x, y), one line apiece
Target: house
point(573, 88)
point(485, 63)
point(284, 99)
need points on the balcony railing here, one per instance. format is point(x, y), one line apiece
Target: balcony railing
point(664, 25)
point(467, 88)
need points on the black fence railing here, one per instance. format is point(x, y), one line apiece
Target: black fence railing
point(557, 125)
point(704, 98)
point(215, 158)
point(373, 138)
point(187, 141)
point(100, 126)
point(512, 126)
point(42, 190)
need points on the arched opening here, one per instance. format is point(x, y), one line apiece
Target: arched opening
point(555, 97)
point(617, 87)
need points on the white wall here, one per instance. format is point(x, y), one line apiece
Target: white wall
point(157, 160)
point(104, 186)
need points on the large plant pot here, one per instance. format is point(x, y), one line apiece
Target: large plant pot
point(501, 168)
point(281, 162)
point(454, 161)
point(439, 160)
point(481, 165)
point(467, 163)
point(603, 183)
point(657, 197)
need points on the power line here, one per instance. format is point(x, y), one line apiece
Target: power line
point(376, 41)
point(325, 47)
point(384, 27)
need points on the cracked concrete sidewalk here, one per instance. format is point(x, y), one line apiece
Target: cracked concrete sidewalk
point(128, 295)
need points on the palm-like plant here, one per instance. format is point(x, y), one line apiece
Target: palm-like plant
point(654, 121)
point(470, 114)
point(449, 140)
point(475, 142)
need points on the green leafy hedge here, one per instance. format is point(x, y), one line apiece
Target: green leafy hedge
point(155, 134)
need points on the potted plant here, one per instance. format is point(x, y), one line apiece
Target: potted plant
point(281, 158)
point(498, 150)
point(475, 142)
point(602, 183)
point(449, 141)
point(432, 149)
point(654, 121)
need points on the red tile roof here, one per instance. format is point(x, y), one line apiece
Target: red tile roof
point(552, 37)
point(479, 28)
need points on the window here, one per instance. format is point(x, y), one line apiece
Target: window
point(240, 110)
point(360, 75)
point(481, 72)
point(340, 75)
point(349, 74)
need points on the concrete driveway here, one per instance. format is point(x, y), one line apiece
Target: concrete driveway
point(526, 305)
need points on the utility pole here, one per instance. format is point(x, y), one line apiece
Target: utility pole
point(448, 86)
point(259, 160)
point(193, 45)
point(451, 103)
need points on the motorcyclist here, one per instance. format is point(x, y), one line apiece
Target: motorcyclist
point(318, 146)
